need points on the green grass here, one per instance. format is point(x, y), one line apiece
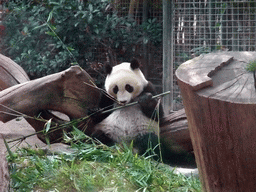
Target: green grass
point(93, 167)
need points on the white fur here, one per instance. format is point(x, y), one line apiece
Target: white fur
point(121, 75)
point(126, 123)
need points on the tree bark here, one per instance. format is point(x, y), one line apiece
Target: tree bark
point(70, 92)
point(4, 173)
point(10, 73)
point(220, 102)
point(174, 132)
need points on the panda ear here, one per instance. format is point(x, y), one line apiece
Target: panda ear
point(135, 64)
point(108, 69)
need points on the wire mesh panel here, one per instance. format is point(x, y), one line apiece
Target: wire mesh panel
point(147, 47)
point(203, 26)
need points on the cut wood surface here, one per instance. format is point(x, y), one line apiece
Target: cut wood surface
point(220, 103)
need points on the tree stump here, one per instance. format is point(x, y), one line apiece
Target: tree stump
point(220, 103)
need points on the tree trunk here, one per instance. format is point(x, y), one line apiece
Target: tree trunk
point(220, 102)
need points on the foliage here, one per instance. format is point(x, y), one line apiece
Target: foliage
point(251, 66)
point(46, 36)
point(93, 167)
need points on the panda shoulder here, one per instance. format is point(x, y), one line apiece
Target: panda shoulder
point(149, 88)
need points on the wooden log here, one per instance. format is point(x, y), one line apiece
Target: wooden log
point(10, 73)
point(174, 132)
point(67, 92)
point(220, 102)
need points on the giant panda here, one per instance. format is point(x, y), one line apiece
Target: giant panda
point(138, 123)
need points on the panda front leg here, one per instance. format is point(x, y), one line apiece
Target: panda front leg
point(151, 107)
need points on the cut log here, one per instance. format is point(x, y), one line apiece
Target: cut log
point(220, 102)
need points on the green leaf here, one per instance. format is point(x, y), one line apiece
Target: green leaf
point(50, 16)
point(70, 48)
point(11, 154)
point(96, 31)
point(90, 7)
point(40, 26)
point(48, 125)
point(47, 140)
point(50, 33)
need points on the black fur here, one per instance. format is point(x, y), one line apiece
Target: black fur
point(108, 69)
point(105, 104)
point(135, 64)
point(148, 105)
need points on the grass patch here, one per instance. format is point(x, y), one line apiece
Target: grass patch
point(93, 167)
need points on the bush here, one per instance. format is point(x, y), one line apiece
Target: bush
point(47, 36)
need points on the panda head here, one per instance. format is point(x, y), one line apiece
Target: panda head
point(125, 81)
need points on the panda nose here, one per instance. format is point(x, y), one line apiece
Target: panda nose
point(123, 102)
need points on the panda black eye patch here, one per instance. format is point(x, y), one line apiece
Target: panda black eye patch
point(115, 90)
point(128, 88)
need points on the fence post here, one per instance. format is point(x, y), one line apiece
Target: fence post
point(167, 55)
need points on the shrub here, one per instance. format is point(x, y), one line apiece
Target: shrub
point(47, 36)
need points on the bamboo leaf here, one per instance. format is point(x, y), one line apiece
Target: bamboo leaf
point(48, 125)
point(11, 154)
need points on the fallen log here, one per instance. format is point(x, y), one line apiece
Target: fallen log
point(174, 132)
point(12, 74)
point(67, 92)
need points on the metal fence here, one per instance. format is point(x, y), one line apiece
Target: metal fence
point(199, 27)
point(203, 26)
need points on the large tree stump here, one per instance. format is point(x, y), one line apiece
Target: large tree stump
point(220, 102)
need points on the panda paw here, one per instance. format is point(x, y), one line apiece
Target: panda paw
point(145, 99)
point(93, 111)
